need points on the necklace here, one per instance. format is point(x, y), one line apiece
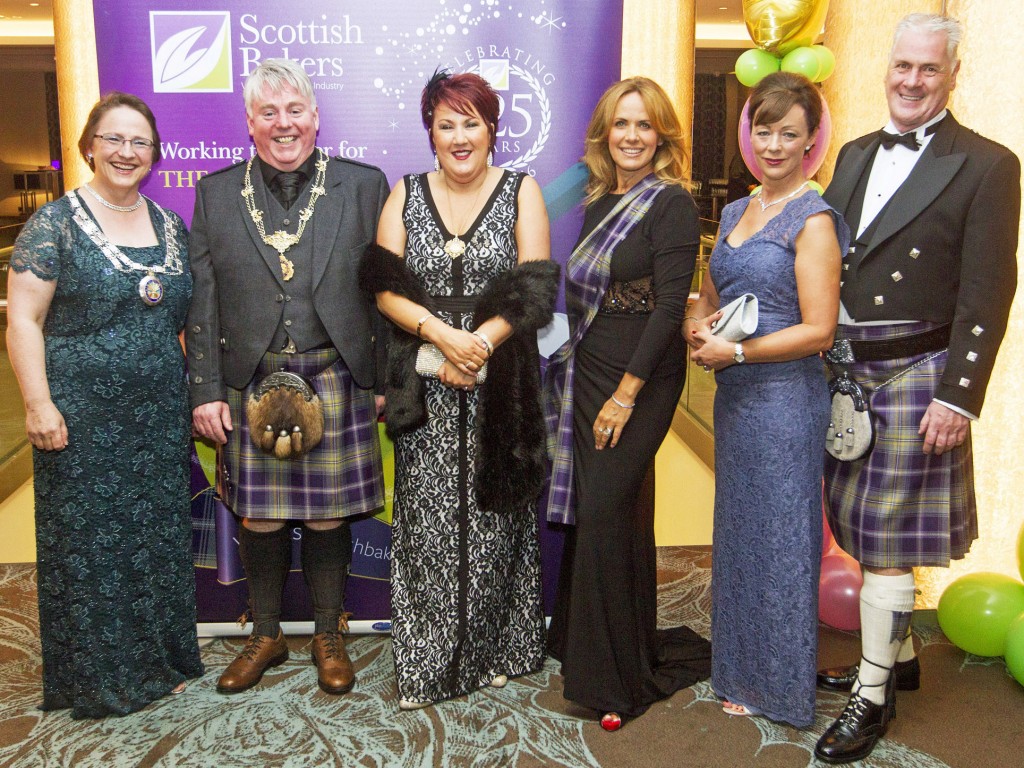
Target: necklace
point(281, 241)
point(765, 206)
point(456, 247)
point(120, 208)
point(151, 290)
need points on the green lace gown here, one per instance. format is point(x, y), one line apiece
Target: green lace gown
point(116, 586)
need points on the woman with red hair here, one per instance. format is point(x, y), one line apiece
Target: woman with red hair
point(461, 269)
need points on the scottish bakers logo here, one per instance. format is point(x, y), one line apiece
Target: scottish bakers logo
point(519, 79)
point(191, 51)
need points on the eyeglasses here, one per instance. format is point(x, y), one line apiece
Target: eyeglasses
point(116, 141)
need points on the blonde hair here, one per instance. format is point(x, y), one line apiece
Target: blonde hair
point(670, 159)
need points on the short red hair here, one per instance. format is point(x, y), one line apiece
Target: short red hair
point(465, 93)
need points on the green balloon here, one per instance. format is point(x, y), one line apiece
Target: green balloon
point(1015, 649)
point(827, 59)
point(804, 61)
point(976, 610)
point(753, 65)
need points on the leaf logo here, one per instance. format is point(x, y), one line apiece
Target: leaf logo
point(187, 60)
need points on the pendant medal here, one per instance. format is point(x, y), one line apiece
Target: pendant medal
point(287, 267)
point(151, 290)
point(455, 247)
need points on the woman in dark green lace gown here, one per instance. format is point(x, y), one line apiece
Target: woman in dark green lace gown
point(98, 293)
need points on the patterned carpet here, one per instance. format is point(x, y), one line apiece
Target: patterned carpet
point(968, 712)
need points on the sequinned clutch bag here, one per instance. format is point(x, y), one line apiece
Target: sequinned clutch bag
point(429, 360)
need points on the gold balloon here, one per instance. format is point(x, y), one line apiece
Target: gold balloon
point(780, 26)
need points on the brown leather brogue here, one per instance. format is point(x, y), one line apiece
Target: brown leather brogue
point(259, 654)
point(333, 667)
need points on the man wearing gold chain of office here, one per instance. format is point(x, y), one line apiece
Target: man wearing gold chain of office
point(275, 246)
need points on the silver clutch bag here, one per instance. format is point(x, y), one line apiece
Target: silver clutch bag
point(739, 319)
point(429, 360)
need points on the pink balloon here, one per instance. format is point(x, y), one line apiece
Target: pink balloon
point(839, 591)
point(813, 160)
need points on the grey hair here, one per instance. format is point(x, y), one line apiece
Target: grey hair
point(274, 75)
point(932, 23)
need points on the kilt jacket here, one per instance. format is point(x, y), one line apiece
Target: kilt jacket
point(239, 294)
point(944, 250)
point(511, 460)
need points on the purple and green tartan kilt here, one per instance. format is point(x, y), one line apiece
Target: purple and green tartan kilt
point(341, 477)
point(899, 507)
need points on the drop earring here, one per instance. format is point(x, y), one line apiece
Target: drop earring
point(490, 159)
point(437, 163)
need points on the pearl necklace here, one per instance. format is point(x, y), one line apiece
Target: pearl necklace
point(456, 246)
point(281, 241)
point(765, 206)
point(119, 208)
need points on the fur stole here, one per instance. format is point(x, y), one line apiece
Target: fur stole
point(511, 467)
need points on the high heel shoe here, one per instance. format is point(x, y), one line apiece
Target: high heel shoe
point(734, 709)
point(409, 705)
point(611, 721)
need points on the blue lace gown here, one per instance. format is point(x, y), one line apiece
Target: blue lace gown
point(770, 423)
point(113, 528)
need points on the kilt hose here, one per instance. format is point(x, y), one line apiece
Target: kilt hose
point(899, 507)
point(341, 477)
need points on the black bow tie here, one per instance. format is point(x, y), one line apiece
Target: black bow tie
point(908, 140)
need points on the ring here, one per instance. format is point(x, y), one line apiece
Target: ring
point(707, 369)
point(606, 431)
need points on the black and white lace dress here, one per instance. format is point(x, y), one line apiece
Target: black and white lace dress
point(465, 583)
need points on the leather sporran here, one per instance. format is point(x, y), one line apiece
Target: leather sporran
point(286, 417)
point(851, 430)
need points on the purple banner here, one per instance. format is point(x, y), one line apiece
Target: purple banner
point(549, 60)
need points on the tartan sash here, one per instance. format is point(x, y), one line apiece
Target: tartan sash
point(587, 274)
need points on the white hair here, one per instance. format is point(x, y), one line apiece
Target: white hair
point(275, 75)
point(932, 23)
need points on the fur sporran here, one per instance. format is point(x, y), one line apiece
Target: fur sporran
point(851, 429)
point(286, 418)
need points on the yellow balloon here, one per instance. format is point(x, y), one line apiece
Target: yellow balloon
point(780, 26)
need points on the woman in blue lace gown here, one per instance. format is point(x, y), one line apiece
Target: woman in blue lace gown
point(462, 263)
point(98, 293)
point(771, 413)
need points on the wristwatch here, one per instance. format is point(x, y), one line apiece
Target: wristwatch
point(739, 357)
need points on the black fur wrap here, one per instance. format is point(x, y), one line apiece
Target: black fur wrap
point(511, 464)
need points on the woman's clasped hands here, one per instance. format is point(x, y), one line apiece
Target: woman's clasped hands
point(711, 352)
point(465, 355)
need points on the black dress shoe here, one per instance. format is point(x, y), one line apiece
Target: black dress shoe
point(907, 676)
point(854, 734)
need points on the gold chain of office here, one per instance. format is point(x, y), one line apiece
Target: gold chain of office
point(281, 241)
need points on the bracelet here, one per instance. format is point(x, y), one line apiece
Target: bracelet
point(690, 317)
point(623, 405)
point(487, 342)
point(419, 325)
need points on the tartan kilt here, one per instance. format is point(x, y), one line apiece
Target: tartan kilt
point(341, 477)
point(899, 507)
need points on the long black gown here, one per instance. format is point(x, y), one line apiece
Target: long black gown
point(604, 628)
